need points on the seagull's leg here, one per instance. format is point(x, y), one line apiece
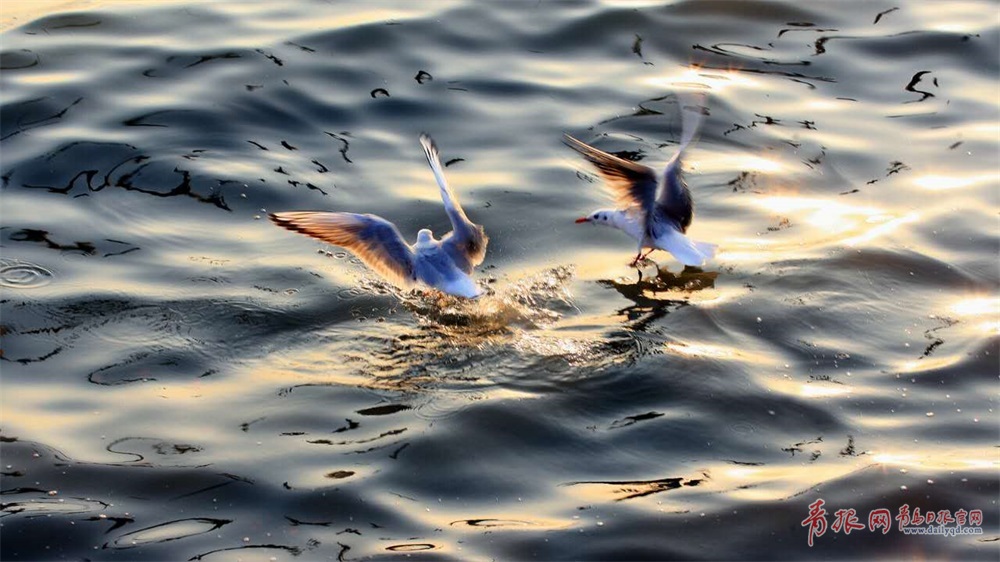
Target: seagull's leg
point(638, 256)
point(651, 250)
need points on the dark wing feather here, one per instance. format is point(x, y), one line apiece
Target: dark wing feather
point(469, 251)
point(673, 202)
point(631, 183)
point(372, 239)
point(674, 199)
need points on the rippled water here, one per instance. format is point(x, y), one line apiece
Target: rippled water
point(184, 380)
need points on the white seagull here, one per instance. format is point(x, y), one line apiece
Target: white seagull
point(654, 210)
point(444, 264)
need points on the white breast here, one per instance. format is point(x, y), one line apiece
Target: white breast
point(630, 223)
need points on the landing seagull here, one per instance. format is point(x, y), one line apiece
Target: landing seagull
point(444, 264)
point(654, 210)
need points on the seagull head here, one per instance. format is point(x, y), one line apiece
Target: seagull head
point(600, 216)
point(425, 236)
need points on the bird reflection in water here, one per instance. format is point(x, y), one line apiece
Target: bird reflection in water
point(657, 296)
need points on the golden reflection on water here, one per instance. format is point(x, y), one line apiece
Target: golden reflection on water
point(939, 182)
point(955, 16)
point(18, 12)
point(779, 482)
point(811, 389)
point(443, 513)
point(991, 328)
point(837, 222)
point(50, 78)
point(977, 306)
point(931, 364)
point(881, 229)
point(953, 459)
point(697, 490)
point(694, 77)
point(711, 351)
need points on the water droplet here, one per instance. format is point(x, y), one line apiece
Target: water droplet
point(930, 414)
point(929, 481)
point(902, 488)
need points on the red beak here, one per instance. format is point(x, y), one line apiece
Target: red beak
point(582, 219)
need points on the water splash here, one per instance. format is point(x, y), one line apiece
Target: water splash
point(527, 303)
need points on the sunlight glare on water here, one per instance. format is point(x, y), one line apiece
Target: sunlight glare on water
point(184, 380)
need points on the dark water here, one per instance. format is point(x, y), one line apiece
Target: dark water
point(182, 380)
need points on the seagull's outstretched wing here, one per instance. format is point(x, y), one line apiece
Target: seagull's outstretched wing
point(674, 198)
point(459, 222)
point(373, 239)
point(632, 184)
point(467, 242)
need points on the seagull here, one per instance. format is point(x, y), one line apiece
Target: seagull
point(654, 210)
point(444, 264)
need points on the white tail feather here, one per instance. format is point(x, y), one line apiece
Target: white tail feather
point(462, 286)
point(707, 249)
point(687, 251)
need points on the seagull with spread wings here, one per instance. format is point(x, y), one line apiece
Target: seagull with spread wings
point(444, 264)
point(655, 210)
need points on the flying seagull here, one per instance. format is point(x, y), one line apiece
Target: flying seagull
point(444, 264)
point(655, 210)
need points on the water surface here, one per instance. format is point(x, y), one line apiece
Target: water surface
point(182, 380)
